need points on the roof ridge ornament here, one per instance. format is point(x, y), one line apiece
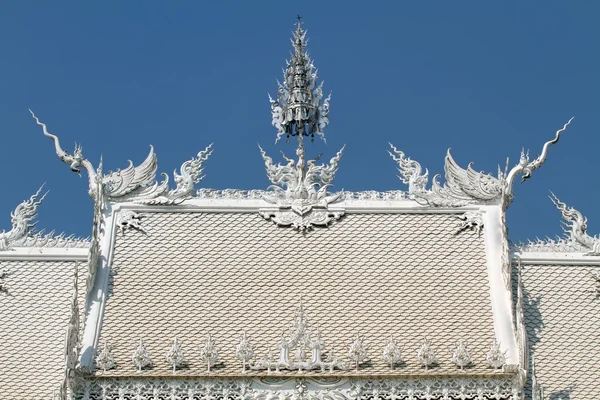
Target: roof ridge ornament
point(575, 227)
point(24, 234)
point(574, 239)
point(134, 183)
point(299, 186)
point(299, 109)
point(467, 186)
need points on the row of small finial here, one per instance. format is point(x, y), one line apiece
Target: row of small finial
point(357, 353)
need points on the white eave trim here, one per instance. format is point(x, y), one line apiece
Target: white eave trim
point(45, 254)
point(500, 293)
point(256, 205)
point(551, 258)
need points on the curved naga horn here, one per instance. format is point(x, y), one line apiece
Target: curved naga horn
point(526, 167)
point(75, 161)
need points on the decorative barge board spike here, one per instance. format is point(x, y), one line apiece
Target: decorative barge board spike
point(299, 191)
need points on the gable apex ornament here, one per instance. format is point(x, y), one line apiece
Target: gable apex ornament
point(466, 186)
point(299, 188)
point(134, 183)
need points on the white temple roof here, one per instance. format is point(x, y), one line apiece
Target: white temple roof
point(430, 267)
point(191, 274)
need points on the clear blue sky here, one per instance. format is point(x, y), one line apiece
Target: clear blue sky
point(485, 78)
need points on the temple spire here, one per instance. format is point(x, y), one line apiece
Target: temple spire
point(299, 109)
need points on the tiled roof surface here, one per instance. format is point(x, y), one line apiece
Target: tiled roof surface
point(34, 315)
point(191, 274)
point(562, 316)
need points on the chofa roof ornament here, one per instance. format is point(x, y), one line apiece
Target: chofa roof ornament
point(467, 186)
point(136, 184)
point(299, 187)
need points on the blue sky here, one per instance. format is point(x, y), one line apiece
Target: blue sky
point(485, 78)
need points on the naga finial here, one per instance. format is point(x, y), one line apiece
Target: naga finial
point(526, 167)
point(75, 161)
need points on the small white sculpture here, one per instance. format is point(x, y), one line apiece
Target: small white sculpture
point(426, 354)
point(105, 360)
point(209, 353)
point(244, 351)
point(357, 351)
point(496, 358)
point(141, 357)
point(391, 353)
point(461, 355)
point(175, 355)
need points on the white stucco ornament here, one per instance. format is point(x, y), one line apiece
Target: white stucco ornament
point(392, 354)
point(129, 220)
point(209, 353)
point(470, 220)
point(461, 356)
point(134, 183)
point(576, 237)
point(244, 351)
point(140, 357)
point(105, 359)
point(300, 340)
point(24, 234)
point(426, 354)
point(467, 186)
point(496, 358)
point(175, 355)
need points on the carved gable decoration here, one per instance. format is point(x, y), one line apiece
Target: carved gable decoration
point(299, 189)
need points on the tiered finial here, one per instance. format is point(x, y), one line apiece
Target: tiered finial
point(298, 109)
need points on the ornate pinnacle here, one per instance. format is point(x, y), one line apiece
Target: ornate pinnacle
point(391, 353)
point(357, 351)
point(175, 355)
point(496, 358)
point(105, 360)
point(461, 355)
point(209, 353)
point(426, 354)
point(243, 351)
point(140, 356)
point(299, 109)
